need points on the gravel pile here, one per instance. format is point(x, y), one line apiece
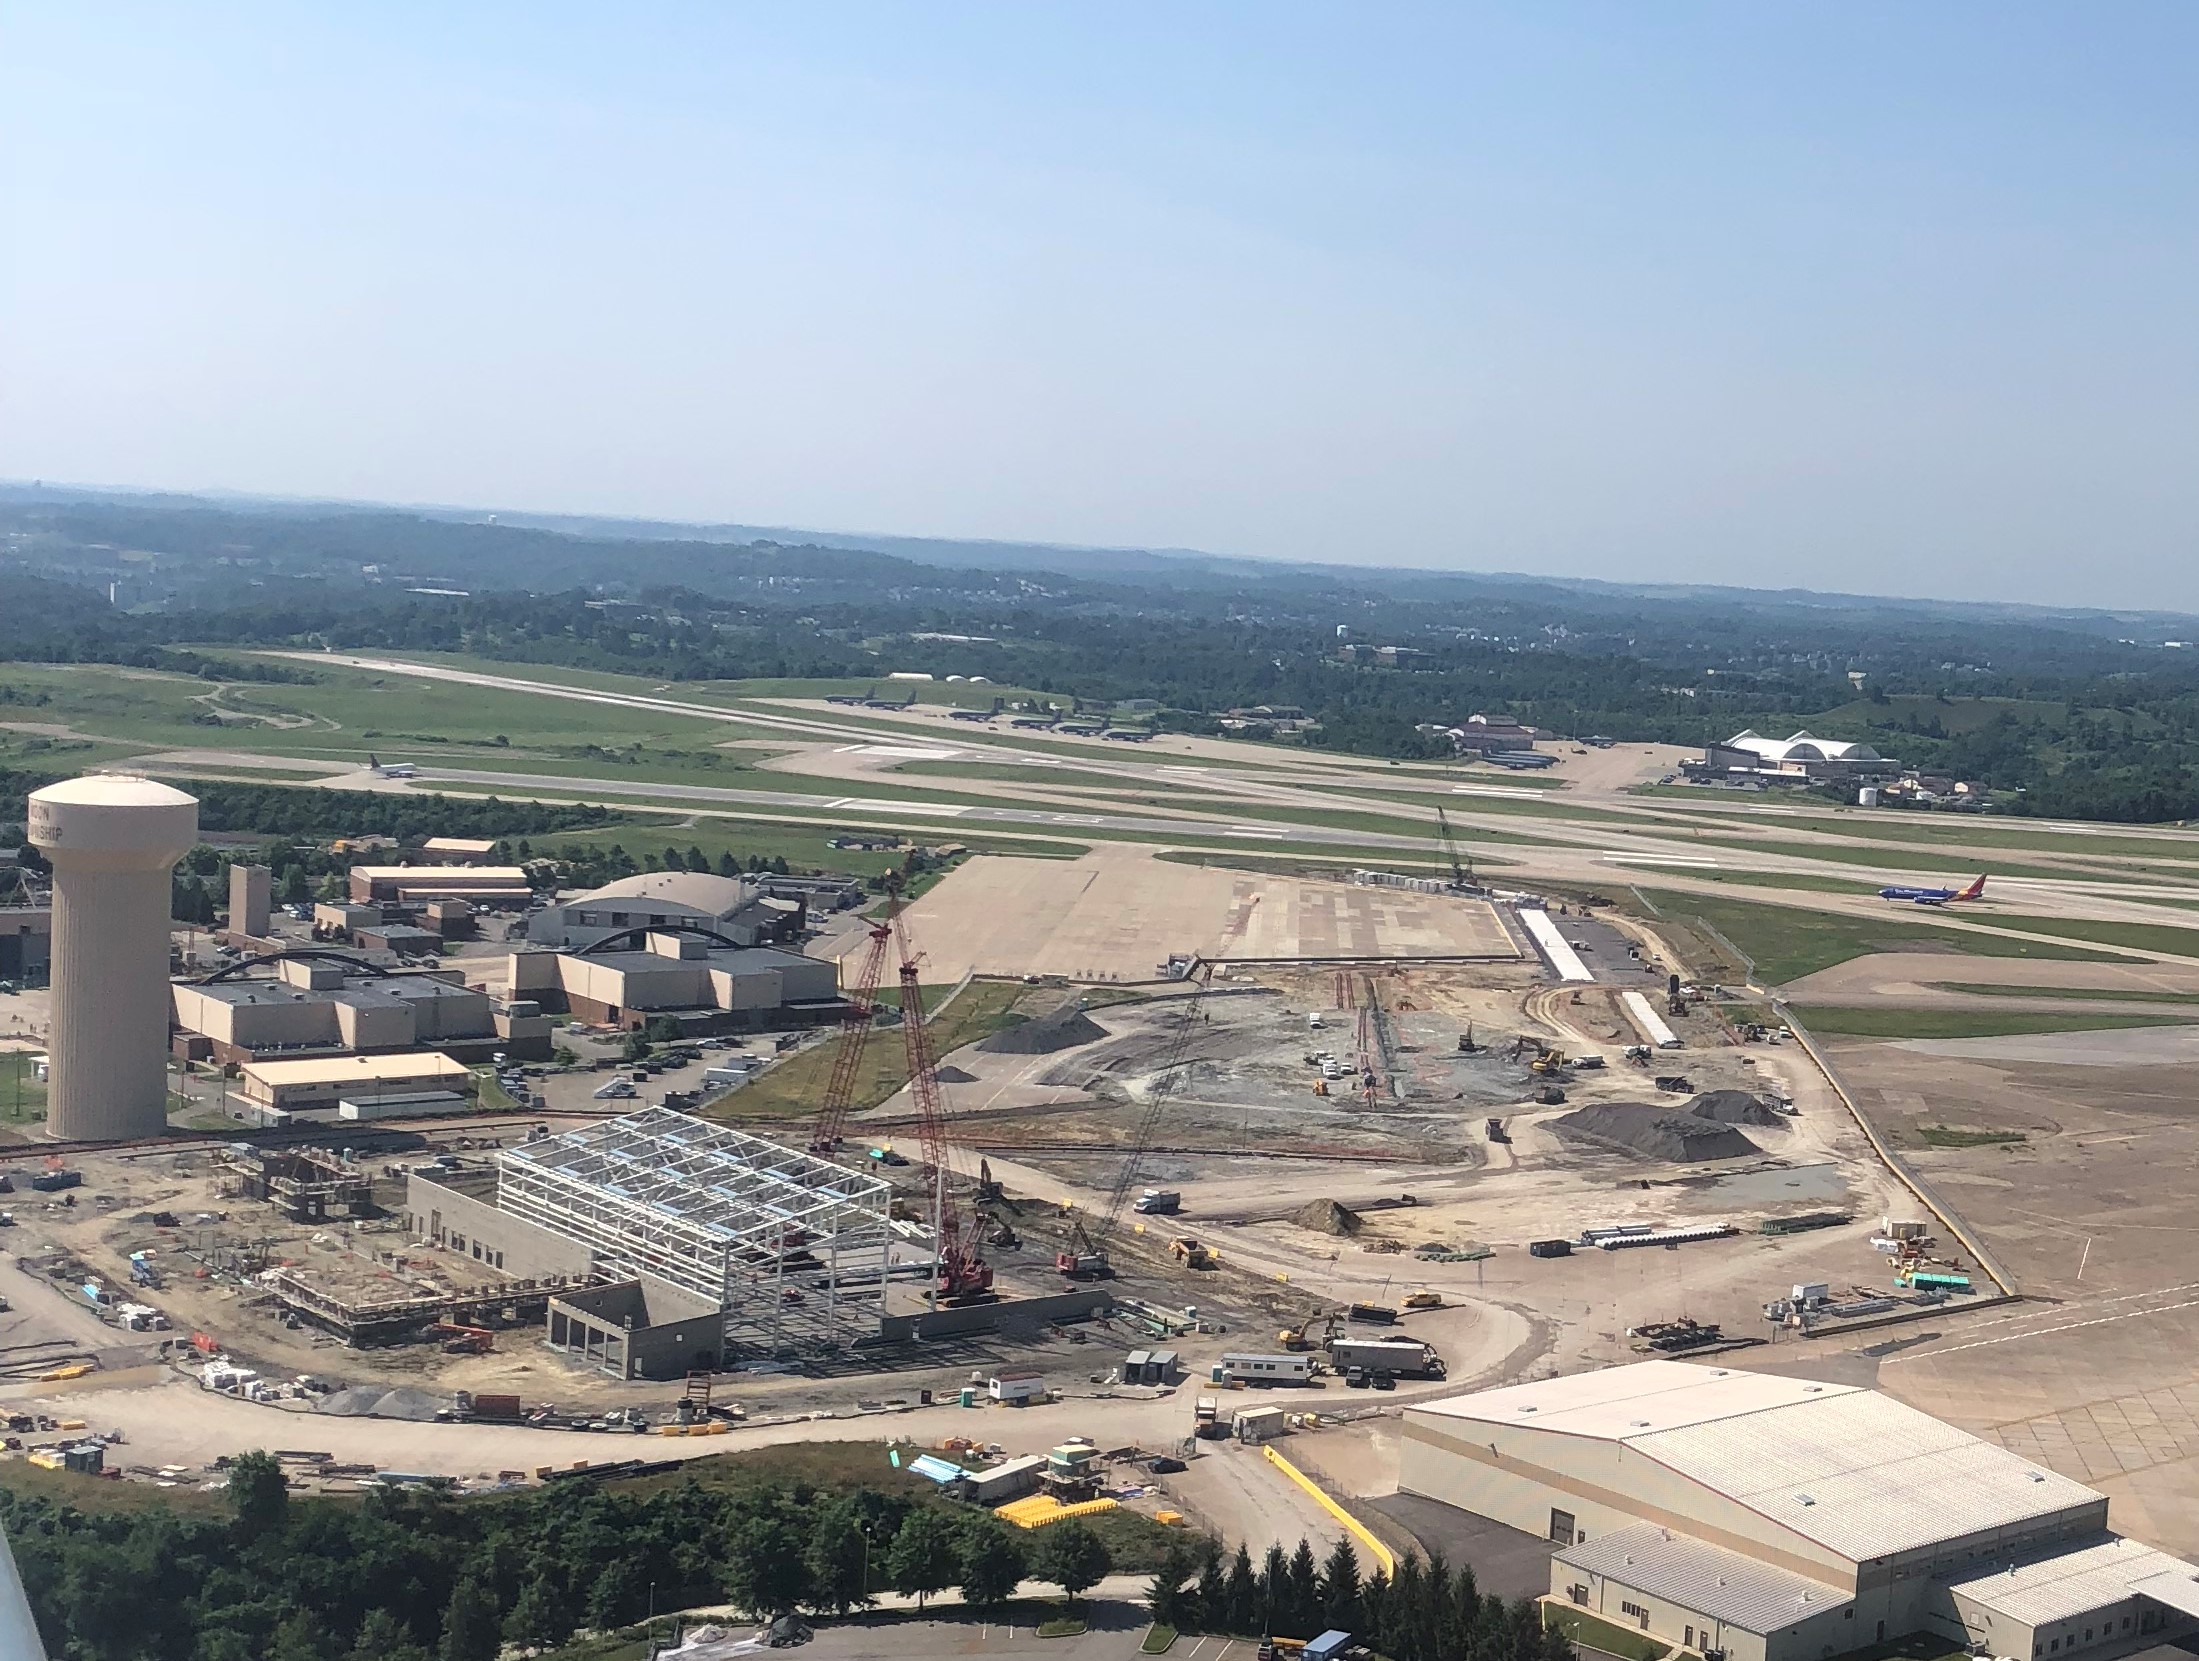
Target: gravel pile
point(378, 1401)
point(1063, 1029)
point(1652, 1132)
point(1735, 1107)
point(954, 1075)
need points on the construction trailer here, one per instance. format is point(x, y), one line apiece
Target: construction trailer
point(792, 1249)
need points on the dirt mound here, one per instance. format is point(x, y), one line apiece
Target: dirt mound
point(954, 1075)
point(1061, 1029)
point(1327, 1217)
point(1652, 1132)
point(1735, 1107)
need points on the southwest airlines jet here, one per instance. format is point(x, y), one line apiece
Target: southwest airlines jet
point(1935, 896)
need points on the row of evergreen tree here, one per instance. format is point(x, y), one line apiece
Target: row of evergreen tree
point(1427, 1611)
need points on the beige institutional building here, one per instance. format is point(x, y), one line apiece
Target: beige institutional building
point(1755, 1517)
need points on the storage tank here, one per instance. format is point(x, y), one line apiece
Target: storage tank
point(112, 841)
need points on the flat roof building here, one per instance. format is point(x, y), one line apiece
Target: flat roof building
point(484, 885)
point(457, 850)
point(684, 976)
point(327, 1004)
point(26, 942)
point(1782, 1519)
point(327, 1081)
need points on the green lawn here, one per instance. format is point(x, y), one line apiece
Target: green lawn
point(1788, 943)
point(1598, 1633)
point(1983, 989)
point(796, 1087)
point(2144, 937)
point(1875, 1021)
point(22, 1097)
point(803, 847)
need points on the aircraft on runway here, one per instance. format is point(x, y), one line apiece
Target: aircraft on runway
point(1935, 896)
point(391, 769)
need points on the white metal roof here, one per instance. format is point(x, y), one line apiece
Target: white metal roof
point(2072, 1583)
point(1803, 746)
point(698, 890)
point(1618, 1403)
point(1704, 1579)
point(1855, 1471)
point(1864, 1474)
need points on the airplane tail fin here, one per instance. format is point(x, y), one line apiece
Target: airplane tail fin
point(1976, 891)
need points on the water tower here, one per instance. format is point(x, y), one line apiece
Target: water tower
point(112, 842)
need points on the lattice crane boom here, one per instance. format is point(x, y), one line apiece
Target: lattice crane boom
point(963, 1271)
point(855, 1030)
point(1156, 1105)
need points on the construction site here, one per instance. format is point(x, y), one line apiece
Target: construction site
point(1422, 1165)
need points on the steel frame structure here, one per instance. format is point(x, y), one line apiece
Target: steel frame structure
point(793, 1249)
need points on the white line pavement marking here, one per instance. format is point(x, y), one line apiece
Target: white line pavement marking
point(2052, 1331)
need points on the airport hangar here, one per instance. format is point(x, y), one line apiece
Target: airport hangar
point(1755, 1517)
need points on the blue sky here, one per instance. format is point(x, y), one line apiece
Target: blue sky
point(1878, 297)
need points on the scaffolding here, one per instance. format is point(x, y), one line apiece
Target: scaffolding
point(794, 1250)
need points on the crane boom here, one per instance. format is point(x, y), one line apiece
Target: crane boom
point(963, 1271)
point(855, 1030)
point(1462, 869)
point(1149, 1122)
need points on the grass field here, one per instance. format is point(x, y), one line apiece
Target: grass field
point(1987, 989)
point(803, 848)
point(796, 1088)
point(1844, 1021)
point(2143, 937)
point(1916, 830)
point(22, 1097)
point(1596, 1633)
point(1787, 943)
point(1954, 1136)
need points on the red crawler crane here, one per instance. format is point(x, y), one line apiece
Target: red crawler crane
point(855, 1030)
point(964, 1275)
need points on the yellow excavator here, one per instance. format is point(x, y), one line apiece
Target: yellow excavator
point(1549, 1062)
point(1312, 1333)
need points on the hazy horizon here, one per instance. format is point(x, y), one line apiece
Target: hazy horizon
point(1875, 302)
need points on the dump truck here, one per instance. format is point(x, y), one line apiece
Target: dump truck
point(1160, 1202)
point(1399, 1357)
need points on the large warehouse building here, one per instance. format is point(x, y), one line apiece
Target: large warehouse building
point(735, 907)
point(1753, 1517)
point(683, 977)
